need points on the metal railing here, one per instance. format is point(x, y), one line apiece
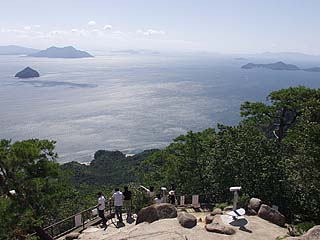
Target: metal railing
point(71, 223)
point(80, 219)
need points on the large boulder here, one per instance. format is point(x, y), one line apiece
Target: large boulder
point(312, 234)
point(27, 73)
point(209, 218)
point(272, 215)
point(216, 211)
point(219, 228)
point(187, 220)
point(73, 235)
point(251, 212)
point(228, 208)
point(254, 204)
point(156, 212)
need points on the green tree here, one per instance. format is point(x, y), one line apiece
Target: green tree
point(30, 185)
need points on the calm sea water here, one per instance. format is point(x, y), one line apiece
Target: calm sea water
point(128, 102)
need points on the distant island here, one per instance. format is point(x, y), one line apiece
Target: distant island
point(313, 69)
point(280, 66)
point(16, 50)
point(65, 52)
point(27, 73)
point(272, 66)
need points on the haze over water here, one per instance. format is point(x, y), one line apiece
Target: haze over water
point(129, 102)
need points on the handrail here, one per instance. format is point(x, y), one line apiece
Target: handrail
point(59, 234)
point(63, 220)
point(51, 227)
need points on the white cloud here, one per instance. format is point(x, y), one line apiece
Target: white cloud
point(31, 27)
point(92, 23)
point(151, 32)
point(107, 27)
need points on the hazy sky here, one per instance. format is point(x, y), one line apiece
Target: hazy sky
point(231, 26)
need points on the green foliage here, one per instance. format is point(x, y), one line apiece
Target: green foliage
point(284, 171)
point(109, 168)
point(243, 201)
point(221, 205)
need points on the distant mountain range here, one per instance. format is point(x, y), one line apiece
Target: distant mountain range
point(16, 50)
point(65, 52)
point(279, 66)
point(287, 56)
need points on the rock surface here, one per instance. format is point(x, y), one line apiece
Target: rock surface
point(27, 73)
point(251, 212)
point(165, 229)
point(228, 208)
point(209, 219)
point(312, 234)
point(216, 211)
point(218, 228)
point(271, 215)
point(187, 220)
point(254, 204)
point(156, 212)
point(71, 236)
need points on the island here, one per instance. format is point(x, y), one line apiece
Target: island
point(16, 50)
point(313, 69)
point(272, 66)
point(27, 73)
point(64, 52)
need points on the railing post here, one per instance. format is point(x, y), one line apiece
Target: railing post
point(82, 217)
point(51, 230)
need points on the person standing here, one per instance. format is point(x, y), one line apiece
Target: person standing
point(118, 202)
point(127, 201)
point(101, 207)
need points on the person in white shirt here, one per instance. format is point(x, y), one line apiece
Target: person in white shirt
point(101, 206)
point(118, 202)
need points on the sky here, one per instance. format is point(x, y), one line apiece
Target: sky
point(225, 26)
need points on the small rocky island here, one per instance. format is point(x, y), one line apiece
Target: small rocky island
point(64, 52)
point(27, 73)
point(272, 66)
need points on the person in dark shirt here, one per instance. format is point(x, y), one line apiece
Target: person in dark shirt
point(127, 201)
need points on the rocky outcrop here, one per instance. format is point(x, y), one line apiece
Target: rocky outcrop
point(271, 215)
point(255, 204)
point(187, 220)
point(216, 211)
point(27, 73)
point(219, 228)
point(156, 212)
point(312, 234)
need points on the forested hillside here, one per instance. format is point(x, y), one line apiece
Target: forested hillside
point(108, 168)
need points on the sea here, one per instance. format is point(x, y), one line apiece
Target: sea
point(129, 102)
